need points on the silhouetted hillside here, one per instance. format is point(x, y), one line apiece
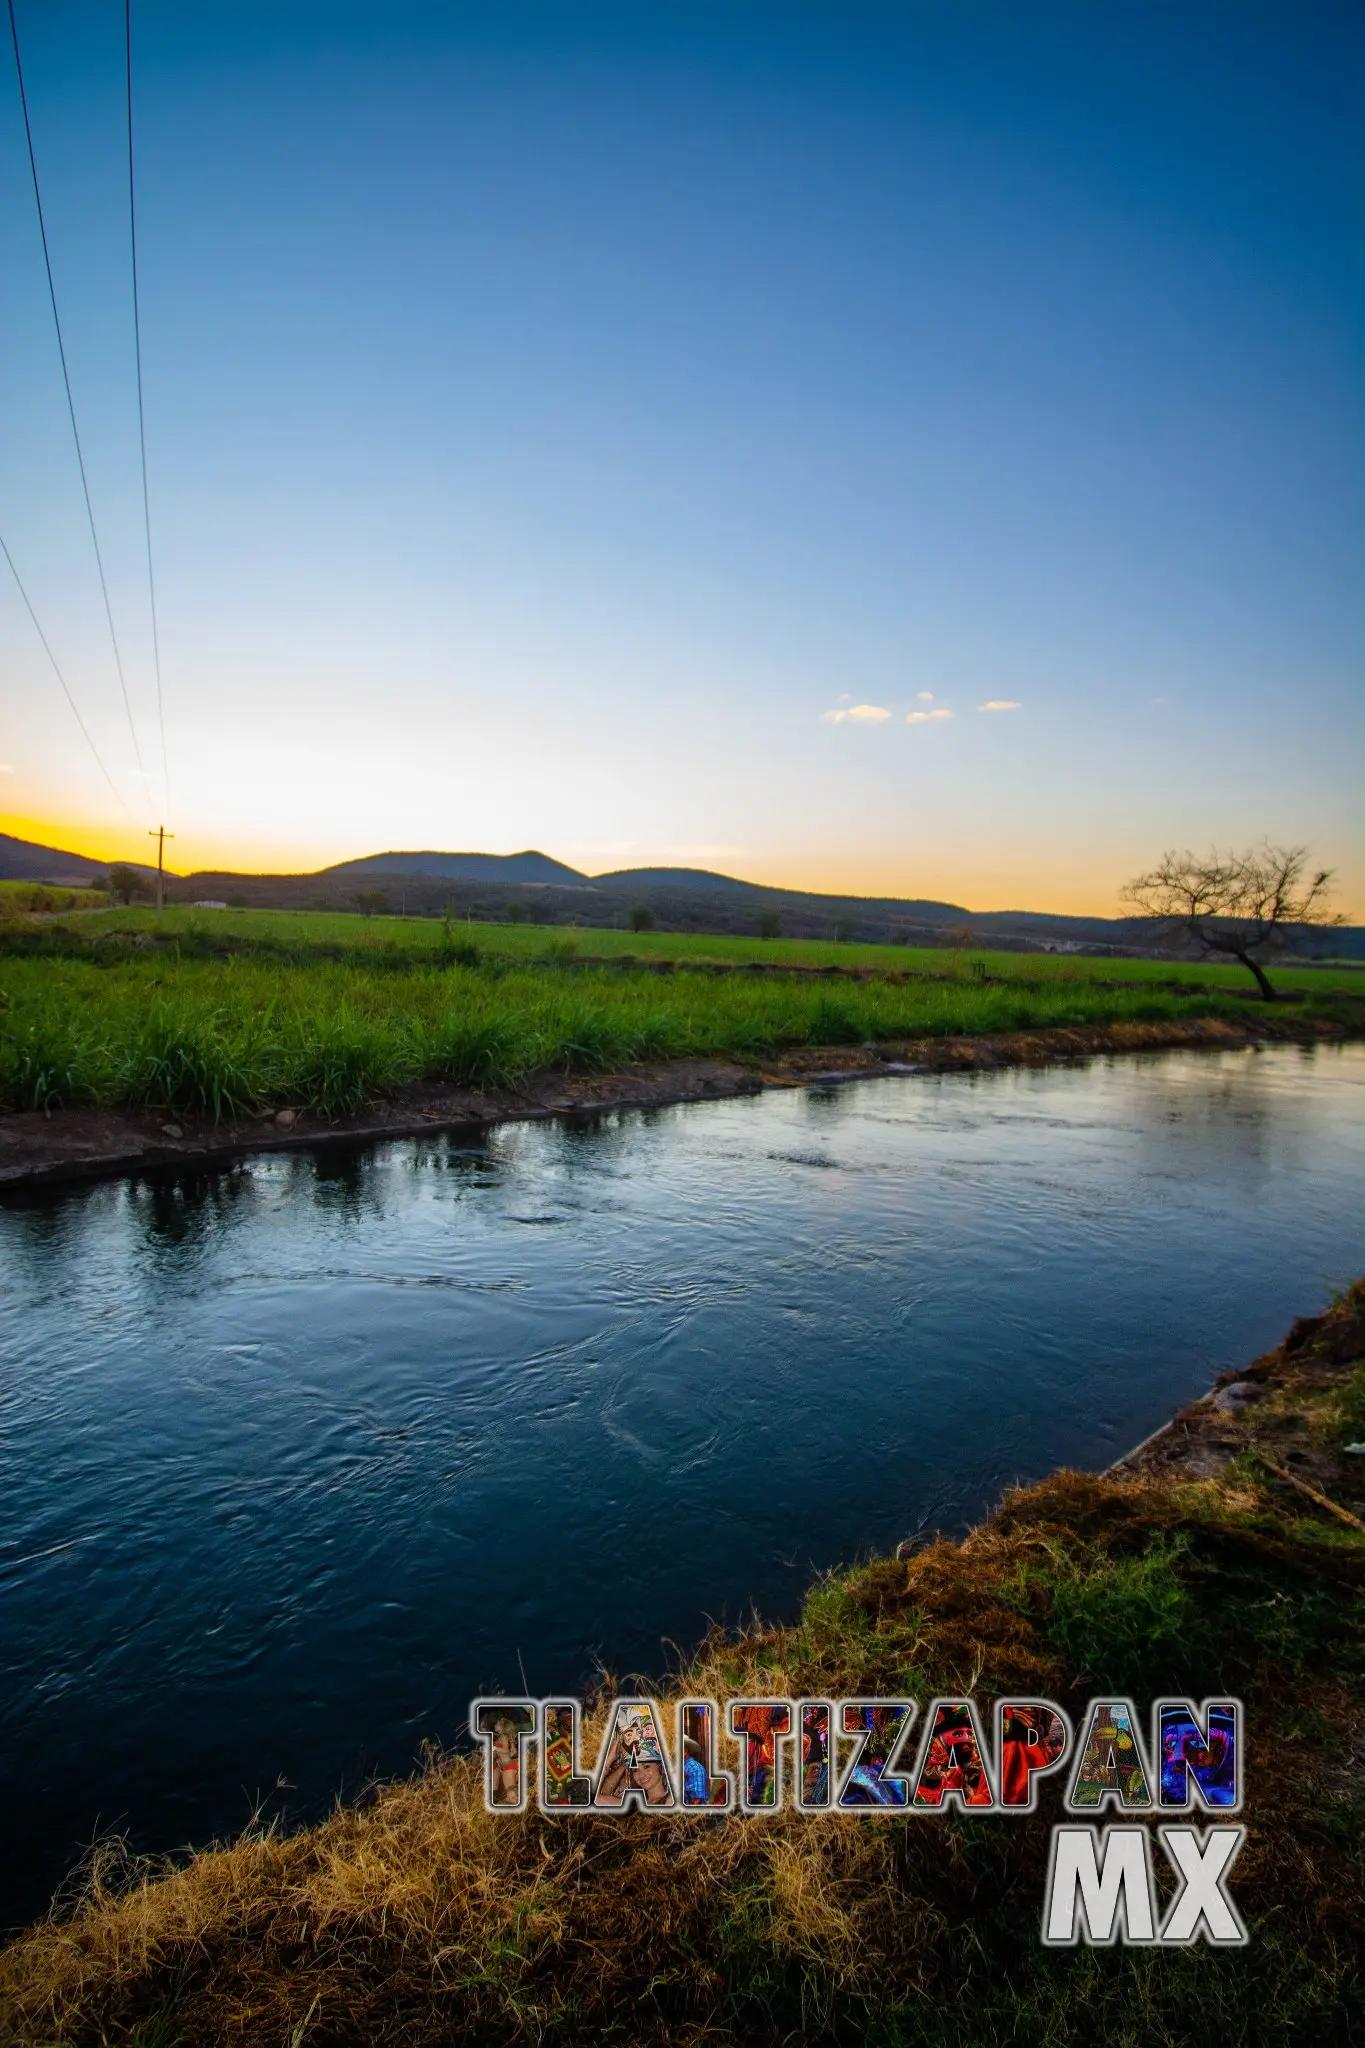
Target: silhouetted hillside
point(526, 867)
point(669, 878)
point(23, 860)
point(493, 887)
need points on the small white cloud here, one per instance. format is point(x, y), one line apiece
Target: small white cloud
point(926, 696)
point(5, 768)
point(1000, 704)
point(927, 717)
point(862, 714)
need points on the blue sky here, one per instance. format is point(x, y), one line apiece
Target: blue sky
point(560, 420)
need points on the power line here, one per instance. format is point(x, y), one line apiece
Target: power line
point(66, 379)
point(141, 420)
point(56, 670)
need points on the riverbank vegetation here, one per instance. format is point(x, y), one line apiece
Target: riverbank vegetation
point(218, 1019)
point(418, 1918)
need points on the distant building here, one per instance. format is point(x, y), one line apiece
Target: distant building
point(207, 903)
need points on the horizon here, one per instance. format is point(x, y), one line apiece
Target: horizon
point(1003, 909)
point(871, 453)
point(90, 845)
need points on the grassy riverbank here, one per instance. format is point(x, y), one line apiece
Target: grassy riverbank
point(419, 1919)
point(218, 1020)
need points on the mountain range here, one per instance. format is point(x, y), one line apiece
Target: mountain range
point(535, 886)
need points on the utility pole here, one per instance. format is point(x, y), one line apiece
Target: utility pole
point(161, 835)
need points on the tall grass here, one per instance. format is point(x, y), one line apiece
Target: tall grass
point(217, 1037)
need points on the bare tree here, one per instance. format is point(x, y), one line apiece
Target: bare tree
point(1245, 905)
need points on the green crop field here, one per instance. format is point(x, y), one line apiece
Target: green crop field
point(304, 931)
point(25, 898)
point(224, 1013)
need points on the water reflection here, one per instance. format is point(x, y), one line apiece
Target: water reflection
point(298, 1455)
point(182, 1211)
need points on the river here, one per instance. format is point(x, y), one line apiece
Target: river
point(297, 1456)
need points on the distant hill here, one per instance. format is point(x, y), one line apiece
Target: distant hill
point(670, 878)
point(526, 868)
point(23, 860)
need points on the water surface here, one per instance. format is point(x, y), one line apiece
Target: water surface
point(294, 1458)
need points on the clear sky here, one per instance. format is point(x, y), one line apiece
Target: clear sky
point(654, 435)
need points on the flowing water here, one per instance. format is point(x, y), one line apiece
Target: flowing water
point(296, 1457)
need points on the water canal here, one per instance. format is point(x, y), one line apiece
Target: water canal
point(296, 1457)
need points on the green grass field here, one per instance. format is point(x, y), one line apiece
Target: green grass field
point(225, 1013)
point(305, 930)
